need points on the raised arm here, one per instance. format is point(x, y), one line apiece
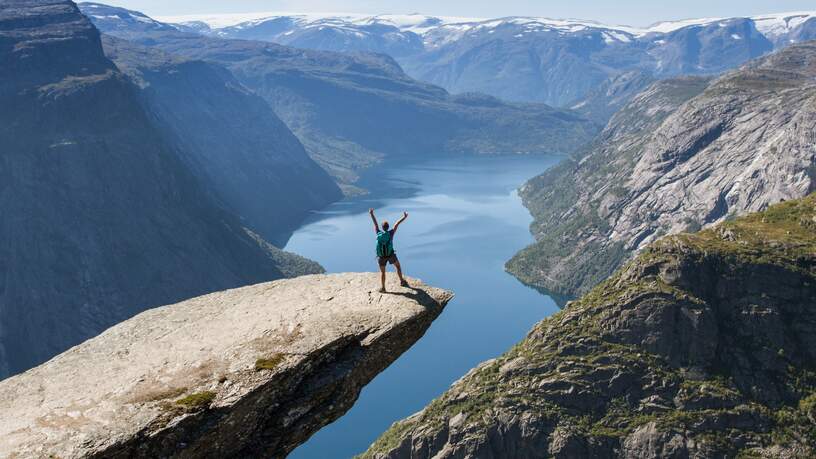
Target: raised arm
point(399, 222)
point(374, 219)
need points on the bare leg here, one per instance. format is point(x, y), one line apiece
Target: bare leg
point(382, 278)
point(399, 273)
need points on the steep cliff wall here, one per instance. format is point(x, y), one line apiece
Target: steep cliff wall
point(736, 145)
point(101, 217)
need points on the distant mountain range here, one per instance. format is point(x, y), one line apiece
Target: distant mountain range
point(522, 58)
point(352, 109)
point(439, 30)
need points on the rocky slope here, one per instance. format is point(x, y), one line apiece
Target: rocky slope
point(101, 217)
point(606, 99)
point(525, 58)
point(743, 143)
point(251, 372)
point(230, 137)
point(703, 346)
point(351, 110)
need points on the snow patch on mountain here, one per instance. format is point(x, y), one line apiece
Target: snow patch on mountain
point(773, 25)
point(135, 15)
point(770, 25)
point(671, 26)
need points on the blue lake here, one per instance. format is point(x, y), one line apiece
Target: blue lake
point(465, 221)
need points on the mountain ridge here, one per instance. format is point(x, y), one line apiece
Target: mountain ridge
point(734, 145)
point(773, 23)
point(533, 59)
point(699, 347)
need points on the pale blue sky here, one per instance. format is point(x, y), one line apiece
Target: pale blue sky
point(629, 12)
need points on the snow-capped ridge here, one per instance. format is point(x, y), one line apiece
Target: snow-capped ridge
point(771, 25)
point(445, 29)
point(417, 23)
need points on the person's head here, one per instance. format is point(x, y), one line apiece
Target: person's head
point(385, 225)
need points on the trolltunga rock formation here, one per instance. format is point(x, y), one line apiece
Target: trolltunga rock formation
point(252, 371)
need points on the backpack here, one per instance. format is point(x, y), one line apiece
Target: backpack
point(385, 246)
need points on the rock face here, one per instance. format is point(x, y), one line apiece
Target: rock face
point(601, 103)
point(102, 219)
point(703, 346)
point(743, 143)
point(250, 372)
point(350, 110)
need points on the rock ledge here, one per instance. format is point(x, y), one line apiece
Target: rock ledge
point(251, 371)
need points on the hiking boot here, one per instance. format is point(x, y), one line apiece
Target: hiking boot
point(382, 290)
point(404, 283)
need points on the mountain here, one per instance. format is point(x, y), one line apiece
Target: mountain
point(351, 110)
point(101, 217)
point(602, 102)
point(703, 346)
point(538, 60)
point(197, 379)
point(526, 59)
point(395, 35)
point(230, 137)
point(715, 150)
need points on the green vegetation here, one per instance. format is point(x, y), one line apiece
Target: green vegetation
point(782, 235)
point(808, 406)
point(390, 439)
point(198, 401)
point(270, 363)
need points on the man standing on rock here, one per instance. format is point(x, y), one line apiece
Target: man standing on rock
point(385, 248)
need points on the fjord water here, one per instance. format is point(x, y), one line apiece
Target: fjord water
point(465, 220)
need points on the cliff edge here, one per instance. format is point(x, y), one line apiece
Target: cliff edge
point(252, 371)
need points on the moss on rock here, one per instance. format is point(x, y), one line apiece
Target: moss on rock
point(270, 363)
point(197, 401)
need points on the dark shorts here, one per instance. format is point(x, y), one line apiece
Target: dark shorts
point(382, 261)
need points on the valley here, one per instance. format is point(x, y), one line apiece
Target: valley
point(619, 220)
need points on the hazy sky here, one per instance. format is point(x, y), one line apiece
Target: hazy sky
point(630, 12)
